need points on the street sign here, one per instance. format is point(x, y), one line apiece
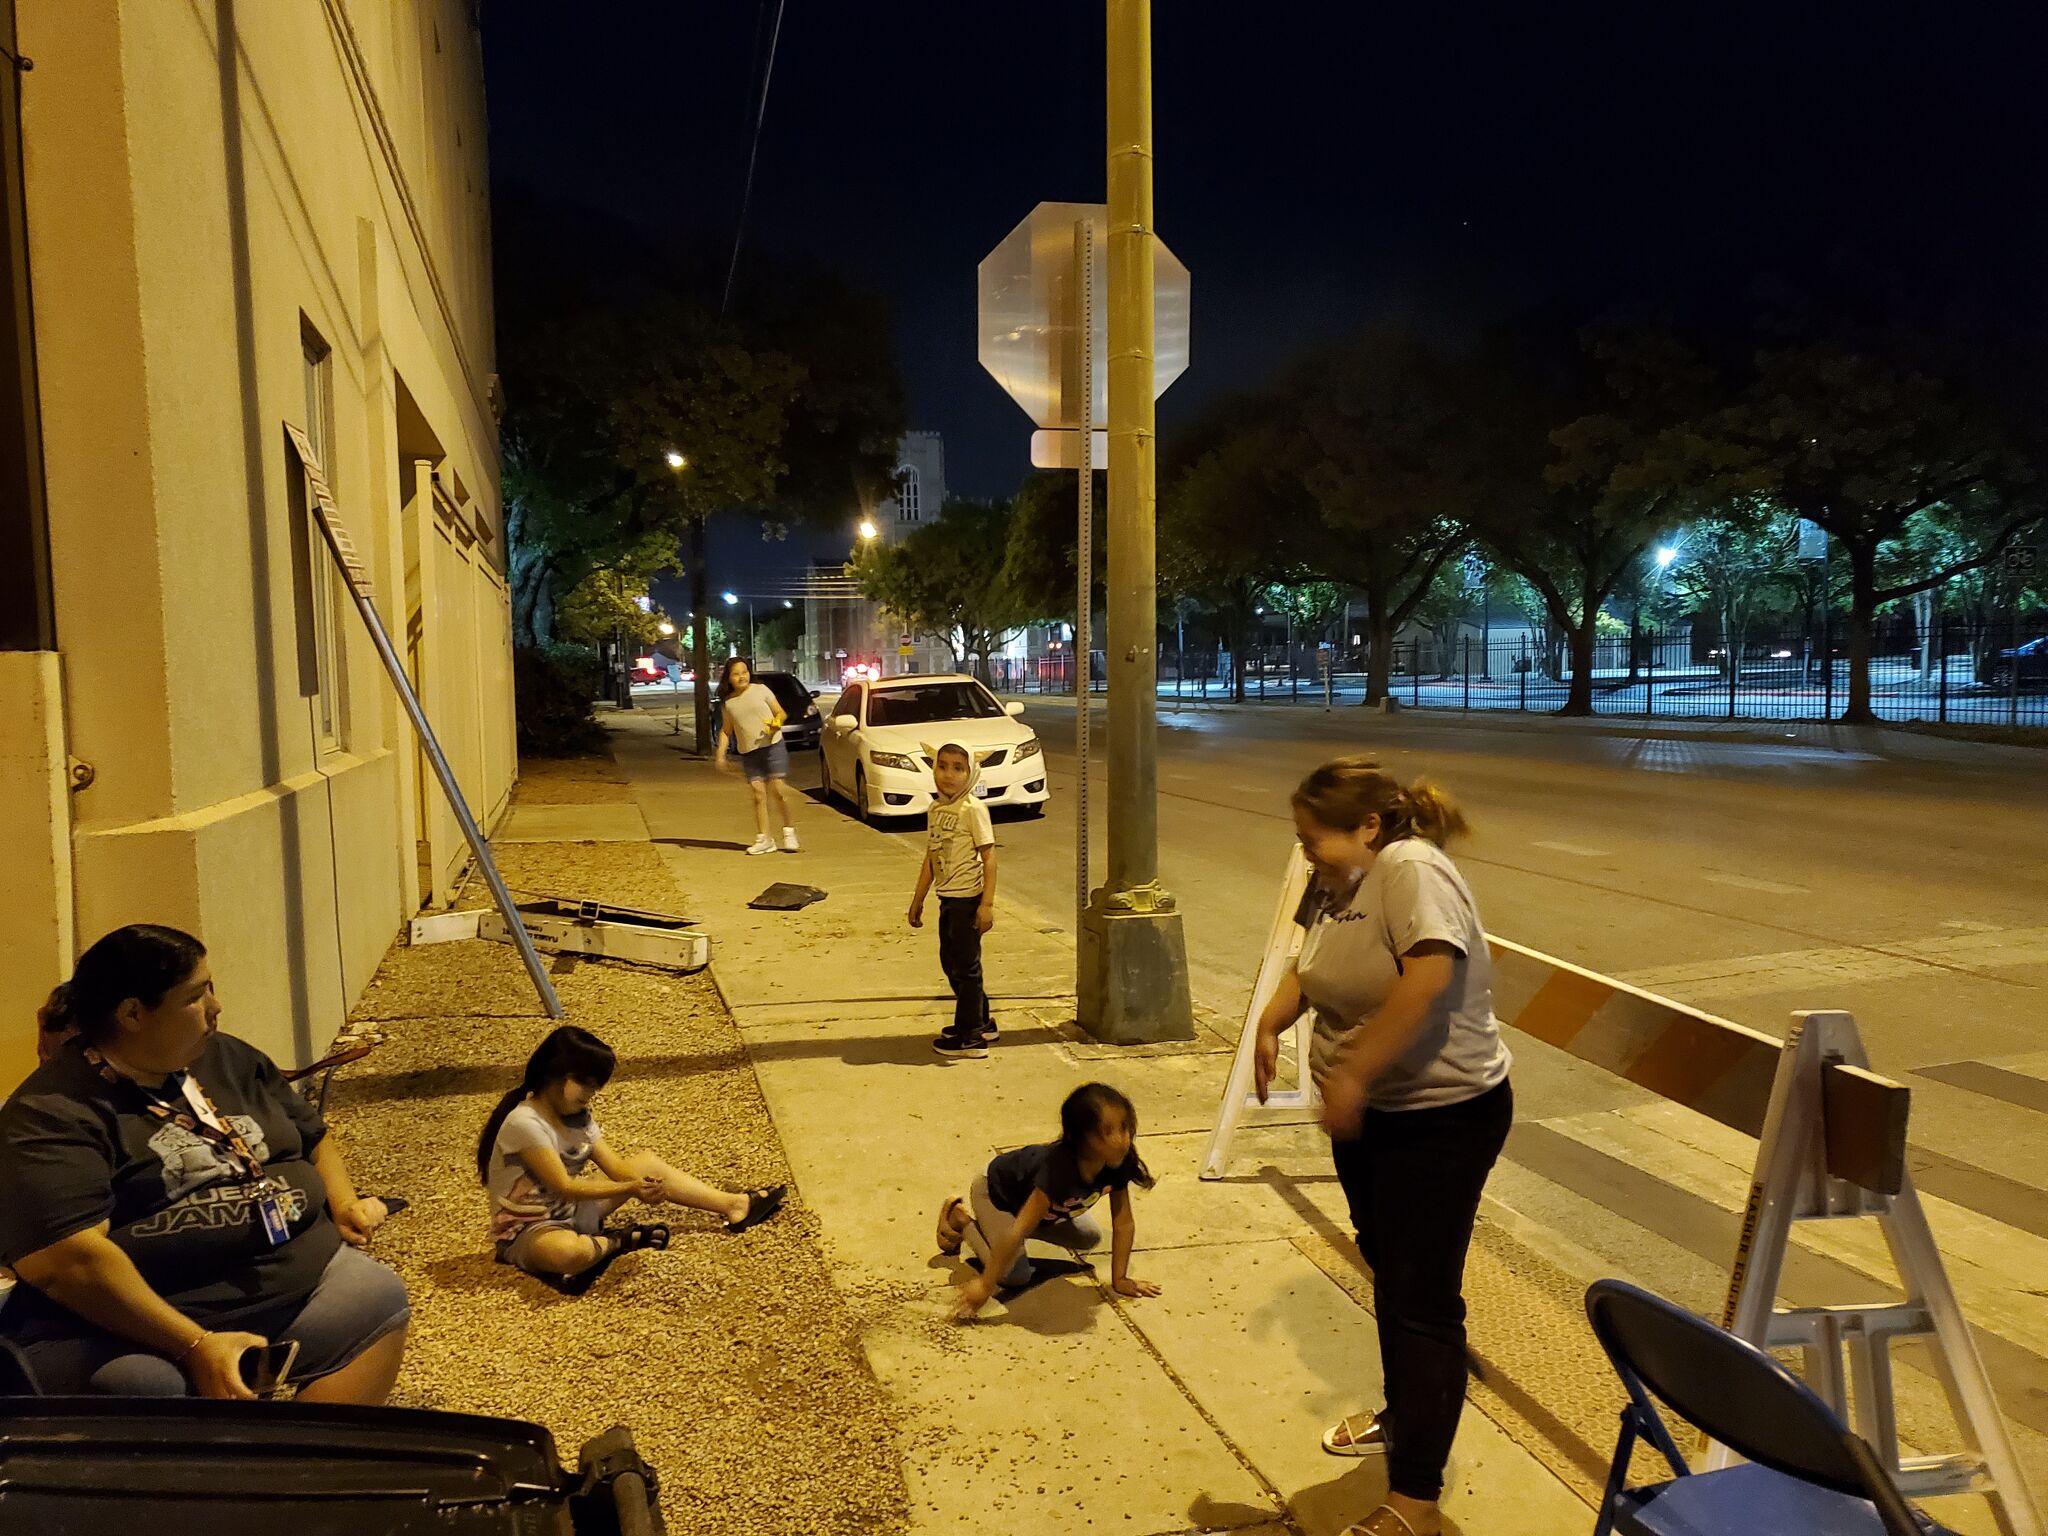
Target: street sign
point(1062, 450)
point(2019, 558)
point(1029, 318)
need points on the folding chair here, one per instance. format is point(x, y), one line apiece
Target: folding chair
point(1807, 1474)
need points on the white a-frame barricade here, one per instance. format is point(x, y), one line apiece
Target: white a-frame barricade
point(1832, 1145)
point(335, 534)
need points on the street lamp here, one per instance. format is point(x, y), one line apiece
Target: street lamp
point(666, 628)
point(1665, 556)
point(732, 600)
point(676, 460)
point(868, 530)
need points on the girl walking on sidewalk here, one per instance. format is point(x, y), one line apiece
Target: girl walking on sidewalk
point(960, 863)
point(1045, 1191)
point(751, 720)
point(1395, 974)
point(534, 1157)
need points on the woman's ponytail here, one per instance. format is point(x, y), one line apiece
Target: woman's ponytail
point(1432, 814)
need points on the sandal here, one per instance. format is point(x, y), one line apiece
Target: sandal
point(949, 1240)
point(1384, 1521)
point(623, 1240)
point(761, 1204)
point(1368, 1439)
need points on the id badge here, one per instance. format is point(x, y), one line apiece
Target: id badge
point(270, 1206)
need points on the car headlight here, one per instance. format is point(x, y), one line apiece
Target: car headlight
point(1029, 749)
point(892, 760)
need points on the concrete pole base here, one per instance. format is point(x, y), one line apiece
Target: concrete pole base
point(1133, 982)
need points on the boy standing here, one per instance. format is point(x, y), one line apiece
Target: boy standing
point(960, 864)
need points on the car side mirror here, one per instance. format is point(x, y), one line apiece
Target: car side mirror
point(844, 723)
point(1013, 709)
point(814, 693)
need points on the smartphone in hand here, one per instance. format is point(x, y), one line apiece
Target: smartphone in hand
point(265, 1370)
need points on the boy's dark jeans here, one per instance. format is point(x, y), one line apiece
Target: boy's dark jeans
point(1413, 1180)
point(960, 958)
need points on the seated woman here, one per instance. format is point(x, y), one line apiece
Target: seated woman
point(171, 1204)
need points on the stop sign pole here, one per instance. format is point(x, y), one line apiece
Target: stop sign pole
point(1134, 964)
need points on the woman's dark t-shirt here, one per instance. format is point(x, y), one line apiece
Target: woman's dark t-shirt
point(76, 1150)
point(1012, 1176)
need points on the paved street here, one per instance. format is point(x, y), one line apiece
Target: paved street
point(1745, 877)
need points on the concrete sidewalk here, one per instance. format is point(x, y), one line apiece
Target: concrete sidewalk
point(1197, 1410)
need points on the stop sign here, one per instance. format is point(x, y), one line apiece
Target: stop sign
point(1030, 315)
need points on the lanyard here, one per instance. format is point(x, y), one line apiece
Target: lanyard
point(202, 1117)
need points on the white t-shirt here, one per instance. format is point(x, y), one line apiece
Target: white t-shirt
point(957, 831)
point(747, 714)
point(1413, 894)
point(518, 1199)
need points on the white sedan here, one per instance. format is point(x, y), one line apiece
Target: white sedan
point(878, 745)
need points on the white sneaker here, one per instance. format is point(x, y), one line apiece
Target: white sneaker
point(762, 844)
point(789, 842)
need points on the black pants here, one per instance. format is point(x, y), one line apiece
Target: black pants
point(1413, 1179)
point(960, 958)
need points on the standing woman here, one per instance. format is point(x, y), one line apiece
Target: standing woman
point(1395, 974)
point(751, 720)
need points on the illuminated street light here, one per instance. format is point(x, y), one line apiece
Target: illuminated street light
point(787, 603)
point(868, 530)
point(730, 599)
point(1665, 556)
point(676, 460)
point(667, 628)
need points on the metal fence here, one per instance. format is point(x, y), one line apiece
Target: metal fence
point(1956, 673)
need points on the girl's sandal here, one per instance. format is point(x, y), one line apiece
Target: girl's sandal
point(761, 1204)
point(1384, 1521)
point(622, 1240)
point(949, 1239)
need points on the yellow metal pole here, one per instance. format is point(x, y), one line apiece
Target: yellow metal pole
point(1134, 981)
point(1133, 606)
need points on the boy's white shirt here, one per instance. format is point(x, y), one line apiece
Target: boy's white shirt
point(959, 828)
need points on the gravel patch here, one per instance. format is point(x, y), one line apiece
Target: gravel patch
point(733, 1360)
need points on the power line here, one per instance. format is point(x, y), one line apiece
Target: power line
point(753, 155)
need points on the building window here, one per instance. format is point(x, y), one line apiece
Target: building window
point(323, 586)
point(908, 509)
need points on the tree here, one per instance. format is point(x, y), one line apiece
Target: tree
point(1383, 449)
point(1863, 448)
point(947, 580)
point(605, 602)
point(1443, 609)
point(1731, 563)
point(1221, 521)
point(1575, 521)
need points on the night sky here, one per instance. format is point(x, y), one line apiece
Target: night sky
point(1320, 167)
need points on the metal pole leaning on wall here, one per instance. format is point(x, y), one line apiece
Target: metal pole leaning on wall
point(357, 580)
point(1084, 554)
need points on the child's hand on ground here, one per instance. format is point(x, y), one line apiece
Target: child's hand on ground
point(974, 1296)
point(1129, 1287)
point(984, 918)
point(917, 914)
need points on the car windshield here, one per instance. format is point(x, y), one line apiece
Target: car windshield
point(926, 703)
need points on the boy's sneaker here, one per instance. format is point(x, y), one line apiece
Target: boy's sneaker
point(989, 1033)
point(951, 1044)
point(762, 844)
point(789, 842)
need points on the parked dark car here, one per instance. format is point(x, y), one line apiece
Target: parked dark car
point(799, 703)
point(1996, 668)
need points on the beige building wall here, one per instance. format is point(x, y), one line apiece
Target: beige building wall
point(243, 213)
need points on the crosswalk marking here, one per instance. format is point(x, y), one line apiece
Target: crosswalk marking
point(1747, 883)
point(1807, 970)
point(1576, 850)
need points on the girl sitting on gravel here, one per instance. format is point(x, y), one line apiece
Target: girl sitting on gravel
point(1045, 1191)
point(547, 1217)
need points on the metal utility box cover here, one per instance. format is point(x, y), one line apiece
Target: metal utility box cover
point(1029, 311)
